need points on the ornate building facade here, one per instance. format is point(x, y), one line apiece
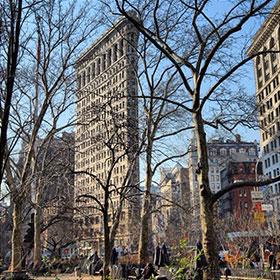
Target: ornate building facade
point(267, 79)
point(106, 137)
point(220, 153)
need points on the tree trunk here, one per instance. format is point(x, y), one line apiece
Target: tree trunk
point(143, 248)
point(206, 205)
point(12, 59)
point(107, 246)
point(37, 237)
point(16, 257)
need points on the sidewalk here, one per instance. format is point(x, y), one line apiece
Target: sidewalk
point(68, 277)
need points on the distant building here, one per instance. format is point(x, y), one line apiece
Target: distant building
point(173, 215)
point(5, 231)
point(267, 78)
point(237, 203)
point(53, 182)
point(220, 152)
point(107, 112)
point(58, 193)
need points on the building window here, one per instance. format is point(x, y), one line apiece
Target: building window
point(115, 52)
point(98, 66)
point(93, 71)
point(84, 79)
point(258, 60)
point(242, 151)
point(79, 81)
point(252, 152)
point(121, 48)
point(103, 62)
point(88, 74)
point(109, 57)
point(213, 152)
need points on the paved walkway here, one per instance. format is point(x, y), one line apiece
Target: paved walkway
point(68, 277)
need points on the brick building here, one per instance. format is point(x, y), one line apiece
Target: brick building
point(238, 202)
point(220, 152)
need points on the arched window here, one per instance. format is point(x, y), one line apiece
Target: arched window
point(223, 152)
point(213, 152)
point(271, 43)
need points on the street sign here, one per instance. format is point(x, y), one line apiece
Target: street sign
point(258, 207)
point(256, 195)
point(259, 217)
point(267, 207)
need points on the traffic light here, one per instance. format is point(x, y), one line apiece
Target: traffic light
point(29, 235)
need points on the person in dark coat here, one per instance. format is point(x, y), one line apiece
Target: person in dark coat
point(96, 264)
point(157, 256)
point(272, 261)
point(164, 255)
point(227, 272)
point(161, 257)
point(149, 271)
point(114, 256)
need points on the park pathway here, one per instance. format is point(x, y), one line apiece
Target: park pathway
point(68, 277)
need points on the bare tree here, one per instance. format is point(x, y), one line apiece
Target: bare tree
point(115, 199)
point(10, 30)
point(53, 191)
point(163, 123)
point(208, 51)
point(43, 100)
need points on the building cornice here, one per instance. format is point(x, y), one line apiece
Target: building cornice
point(116, 27)
point(266, 30)
point(102, 38)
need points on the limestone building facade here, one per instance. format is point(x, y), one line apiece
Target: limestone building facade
point(173, 218)
point(267, 79)
point(106, 137)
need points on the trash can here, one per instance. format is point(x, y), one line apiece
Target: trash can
point(77, 271)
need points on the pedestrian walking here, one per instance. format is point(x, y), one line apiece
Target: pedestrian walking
point(272, 261)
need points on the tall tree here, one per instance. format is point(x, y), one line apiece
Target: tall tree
point(41, 103)
point(207, 47)
point(109, 200)
point(10, 31)
point(163, 122)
